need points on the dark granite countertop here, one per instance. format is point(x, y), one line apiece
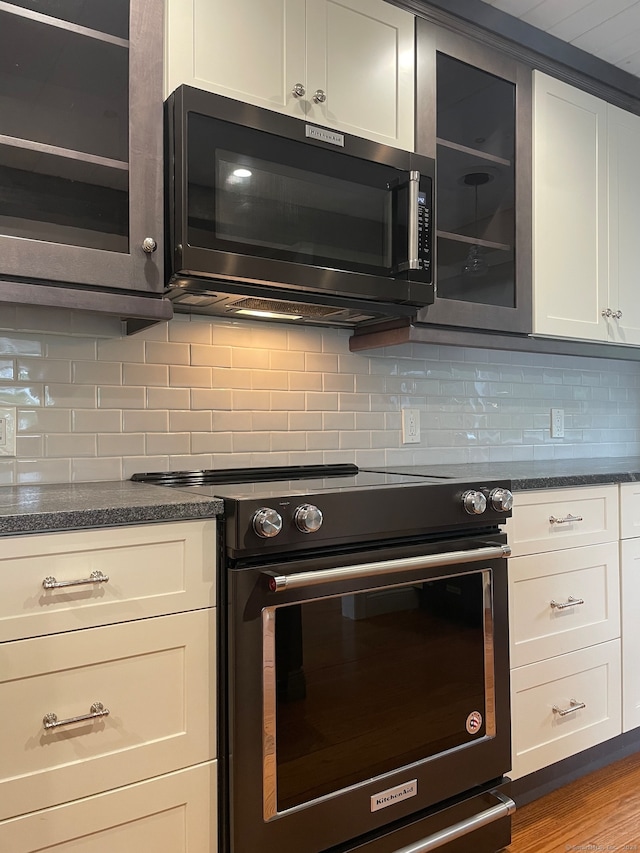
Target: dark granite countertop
point(543, 474)
point(72, 506)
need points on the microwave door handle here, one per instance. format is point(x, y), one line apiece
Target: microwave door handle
point(406, 256)
point(412, 249)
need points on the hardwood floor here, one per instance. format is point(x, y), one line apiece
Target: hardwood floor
point(600, 812)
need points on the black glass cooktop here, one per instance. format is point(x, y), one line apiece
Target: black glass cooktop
point(241, 483)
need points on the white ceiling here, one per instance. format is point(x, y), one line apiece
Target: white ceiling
point(608, 29)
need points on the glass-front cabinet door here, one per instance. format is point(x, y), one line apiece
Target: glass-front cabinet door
point(81, 143)
point(474, 116)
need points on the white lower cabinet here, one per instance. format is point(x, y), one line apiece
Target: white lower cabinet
point(108, 732)
point(564, 704)
point(630, 600)
point(173, 813)
point(565, 627)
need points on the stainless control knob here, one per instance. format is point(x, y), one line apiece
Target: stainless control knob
point(501, 500)
point(474, 502)
point(308, 518)
point(267, 523)
point(149, 245)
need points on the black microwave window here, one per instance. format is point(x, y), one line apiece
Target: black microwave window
point(257, 194)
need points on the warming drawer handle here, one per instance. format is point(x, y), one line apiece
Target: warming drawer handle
point(570, 602)
point(504, 808)
point(566, 520)
point(94, 577)
point(96, 711)
point(278, 583)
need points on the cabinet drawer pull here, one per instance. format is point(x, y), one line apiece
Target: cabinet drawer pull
point(570, 602)
point(94, 577)
point(574, 705)
point(97, 710)
point(566, 520)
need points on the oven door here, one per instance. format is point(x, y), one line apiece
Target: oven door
point(363, 689)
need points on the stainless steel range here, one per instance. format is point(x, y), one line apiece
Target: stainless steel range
point(363, 668)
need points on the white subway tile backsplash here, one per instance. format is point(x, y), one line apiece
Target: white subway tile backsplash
point(190, 377)
point(77, 444)
point(94, 373)
point(117, 397)
point(157, 352)
point(145, 421)
point(210, 442)
point(201, 393)
point(30, 369)
point(168, 443)
point(124, 444)
point(168, 398)
point(145, 374)
point(88, 420)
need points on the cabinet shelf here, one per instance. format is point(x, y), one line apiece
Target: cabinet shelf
point(69, 26)
point(474, 152)
point(463, 238)
point(23, 153)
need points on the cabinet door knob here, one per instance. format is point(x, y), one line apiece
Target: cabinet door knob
point(606, 312)
point(319, 96)
point(298, 91)
point(617, 314)
point(149, 245)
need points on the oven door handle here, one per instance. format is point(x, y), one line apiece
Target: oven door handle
point(278, 583)
point(504, 808)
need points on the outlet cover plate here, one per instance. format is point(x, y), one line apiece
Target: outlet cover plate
point(411, 426)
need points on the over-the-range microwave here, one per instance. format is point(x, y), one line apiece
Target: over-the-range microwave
point(270, 216)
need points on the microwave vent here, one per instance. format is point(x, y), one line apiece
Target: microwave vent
point(252, 304)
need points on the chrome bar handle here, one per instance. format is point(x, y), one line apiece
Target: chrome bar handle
point(574, 705)
point(570, 602)
point(94, 577)
point(278, 583)
point(504, 808)
point(566, 520)
point(414, 188)
point(96, 711)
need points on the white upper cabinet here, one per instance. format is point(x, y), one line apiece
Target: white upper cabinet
point(346, 65)
point(624, 220)
point(586, 176)
point(569, 211)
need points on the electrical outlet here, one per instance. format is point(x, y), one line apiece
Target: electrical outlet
point(411, 426)
point(7, 431)
point(557, 423)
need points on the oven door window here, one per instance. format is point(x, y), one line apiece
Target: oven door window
point(253, 193)
point(359, 685)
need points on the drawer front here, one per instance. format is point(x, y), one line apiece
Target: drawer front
point(152, 570)
point(542, 736)
point(549, 520)
point(630, 598)
point(169, 814)
point(563, 601)
point(155, 676)
point(629, 510)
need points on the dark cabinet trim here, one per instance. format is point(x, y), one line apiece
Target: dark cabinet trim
point(527, 43)
point(137, 312)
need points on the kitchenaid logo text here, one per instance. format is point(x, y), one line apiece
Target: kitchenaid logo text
point(394, 795)
point(323, 135)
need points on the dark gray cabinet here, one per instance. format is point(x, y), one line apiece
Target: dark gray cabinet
point(474, 116)
point(81, 155)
